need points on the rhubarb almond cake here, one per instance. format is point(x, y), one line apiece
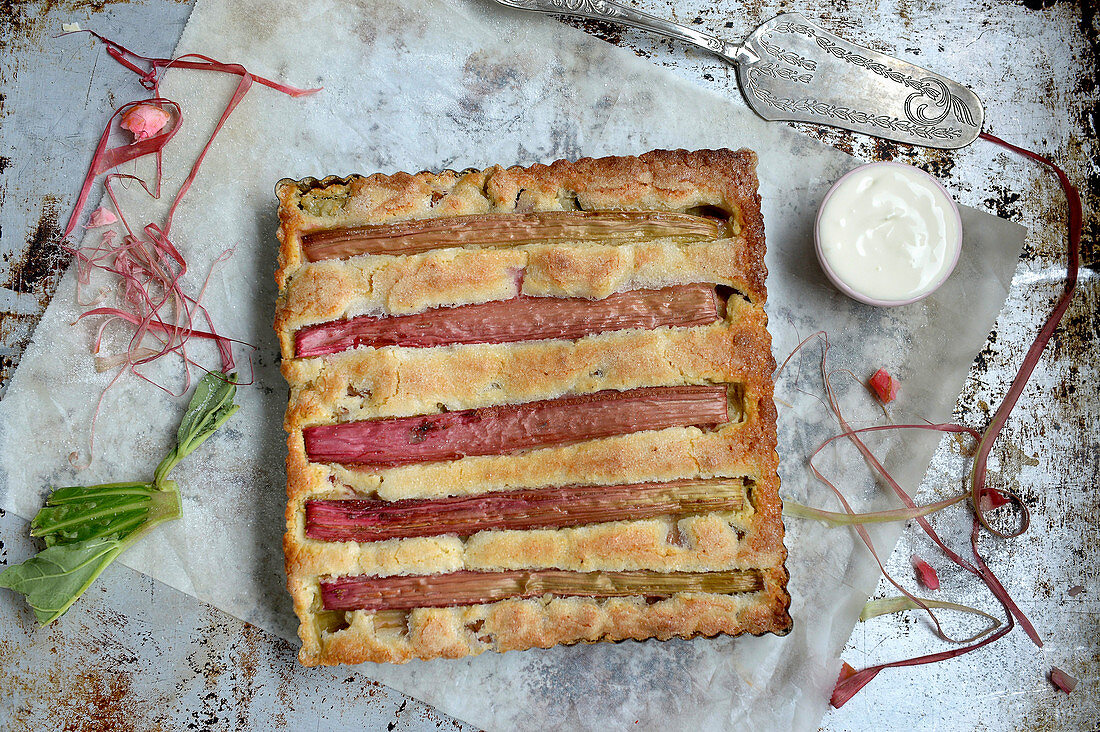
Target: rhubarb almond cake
point(528, 407)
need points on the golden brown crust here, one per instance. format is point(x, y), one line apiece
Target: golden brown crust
point(385, 285)
point(664, 180)
point(370, 383)
point(520, 624)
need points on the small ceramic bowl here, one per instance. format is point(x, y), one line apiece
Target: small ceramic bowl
point(855, 293)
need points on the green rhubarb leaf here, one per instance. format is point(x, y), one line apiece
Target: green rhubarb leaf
point(86, 527)
point(79, 513)
point(211, 405)
point(53, 579)
point(111, 511)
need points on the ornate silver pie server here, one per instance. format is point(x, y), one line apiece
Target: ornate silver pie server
point(790, 69)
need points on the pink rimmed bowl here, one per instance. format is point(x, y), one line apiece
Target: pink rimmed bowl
point(853, 291)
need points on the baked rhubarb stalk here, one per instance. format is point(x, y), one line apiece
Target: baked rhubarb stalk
point(466, 587)
point(373, 520)
point(517, 319)
point(488, 230)
point(507, 428)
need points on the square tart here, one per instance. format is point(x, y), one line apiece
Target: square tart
point(529, 406)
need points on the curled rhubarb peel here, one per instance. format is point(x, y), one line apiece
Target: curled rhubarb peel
point(107, 158)
point(148, 265)
point(979, 468)
point(979, 568)
point(850, 685)
point(150, 77)
point(1031, 358)
point(858, 527)
point(152, 300)
point(840, 518)
point(889, 605)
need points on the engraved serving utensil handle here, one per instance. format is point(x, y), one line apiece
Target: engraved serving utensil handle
point(792, 70)
point(615, 13)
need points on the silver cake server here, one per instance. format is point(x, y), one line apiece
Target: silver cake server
point(791, 69)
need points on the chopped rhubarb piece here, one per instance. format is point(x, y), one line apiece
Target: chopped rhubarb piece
point(404, 592)
point(992, 498)
point(1062, 680)
point(927, 573)
point(371, 520)
point(518, 319)
point(100, 217)
point(507, 428)
point(145, 120)
point(885, 386)
point(486, 230)
point(846, 672)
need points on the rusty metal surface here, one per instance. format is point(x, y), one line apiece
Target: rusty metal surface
point(136, 655)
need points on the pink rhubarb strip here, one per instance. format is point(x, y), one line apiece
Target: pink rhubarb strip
point(507, 428)
point(518, 319)
point(422, 235)
point(466, 587)
point(373, 520)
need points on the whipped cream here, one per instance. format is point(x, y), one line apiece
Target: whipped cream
point(888, 232)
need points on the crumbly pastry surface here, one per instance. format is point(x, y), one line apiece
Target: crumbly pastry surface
point(392, 382)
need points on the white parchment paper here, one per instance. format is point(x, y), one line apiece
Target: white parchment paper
point(454, 84)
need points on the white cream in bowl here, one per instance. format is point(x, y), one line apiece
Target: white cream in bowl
point(888, 234)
